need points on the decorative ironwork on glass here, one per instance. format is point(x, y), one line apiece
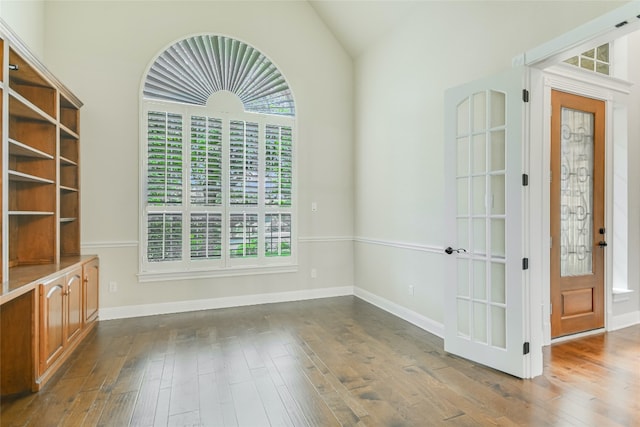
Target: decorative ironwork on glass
point(193, 69)
point(576, 193)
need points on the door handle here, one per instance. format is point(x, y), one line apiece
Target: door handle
point(602, 244)
point(450, 250)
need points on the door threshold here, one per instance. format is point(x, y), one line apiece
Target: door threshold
point(578, 335)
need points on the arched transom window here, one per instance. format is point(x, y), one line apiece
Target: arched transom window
point(217, 138)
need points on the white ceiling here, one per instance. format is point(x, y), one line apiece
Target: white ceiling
point(358, 23)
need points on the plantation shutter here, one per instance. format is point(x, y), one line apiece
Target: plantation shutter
point(164, 186)
point(243, 163)
point(278, 165)
point(206, 161)
point(164, 158)
point(206, 235)
point(243, 232)
point(277, 234)
point(193, 69)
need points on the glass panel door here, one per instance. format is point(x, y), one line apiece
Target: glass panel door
point(484, 303)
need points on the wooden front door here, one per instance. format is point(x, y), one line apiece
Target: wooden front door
point(577, 214)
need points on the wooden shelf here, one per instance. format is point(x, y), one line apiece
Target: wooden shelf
point(23, 177)
point(69, 189)
point(67, 162)
point(69, 114)
point(31, 84)
point(67, 220)
point(20, 107)
point(17, 148)
point(65, 132)
point(30, 213)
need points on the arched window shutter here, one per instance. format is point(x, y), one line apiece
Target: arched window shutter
point(193, 69)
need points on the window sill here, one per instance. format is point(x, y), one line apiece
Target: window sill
point(161, 276)
point(620, 295)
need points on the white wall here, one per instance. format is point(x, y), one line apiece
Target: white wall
point(26, 18)
point(400, 83)
point(631, 305)
point(101, 50)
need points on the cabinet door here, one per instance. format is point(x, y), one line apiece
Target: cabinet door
point(74, 303)
point(52, 321)
point(91, 290)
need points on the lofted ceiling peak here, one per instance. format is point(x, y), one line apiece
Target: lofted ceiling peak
point(357, 24)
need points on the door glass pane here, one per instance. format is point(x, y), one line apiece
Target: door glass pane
point(479, 111)
point(497, 238)
point(498, 283)
point(463, 277)
point(463, 157)
point(498, 327)
point(479, 236)
point(479, 280)
point(463, 233)
point(498, 111)
point(576, 193)
point(463, 118)
point(497, 195)
point(497, 151)
point(479, 154)
point(463, 318)
point(480, 322)
point(479, 195)
point(463, 196)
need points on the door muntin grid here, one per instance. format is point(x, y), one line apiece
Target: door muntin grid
point(481, 218)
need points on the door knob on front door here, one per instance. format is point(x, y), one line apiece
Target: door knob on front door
point(602, 244)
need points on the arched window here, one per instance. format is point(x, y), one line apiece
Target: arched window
point(217, 138)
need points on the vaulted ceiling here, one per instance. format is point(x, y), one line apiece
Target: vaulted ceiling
point(358, 23)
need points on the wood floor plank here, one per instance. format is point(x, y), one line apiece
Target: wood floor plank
point(329, 362)
point(211, 413)
point(118, 409)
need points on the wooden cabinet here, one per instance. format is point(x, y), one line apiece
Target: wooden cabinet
point(91, 293)
point(61, 315)
point(68, 309)
point(52, 322)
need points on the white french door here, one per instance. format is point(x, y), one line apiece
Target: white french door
point(484, 297)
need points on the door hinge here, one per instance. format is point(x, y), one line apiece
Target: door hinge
point(525, 263)
point(525, 95)
point(525, 348)
point(525, 179)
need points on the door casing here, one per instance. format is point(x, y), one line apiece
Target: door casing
point(565, 79)
point(573, 292)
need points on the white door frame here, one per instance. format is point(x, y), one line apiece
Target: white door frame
point(601, 30)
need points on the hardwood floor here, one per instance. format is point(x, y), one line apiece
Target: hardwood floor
point(337, 361)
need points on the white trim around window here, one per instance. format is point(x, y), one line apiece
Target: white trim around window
point(249, 193)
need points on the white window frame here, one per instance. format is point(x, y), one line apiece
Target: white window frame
point(226, 266)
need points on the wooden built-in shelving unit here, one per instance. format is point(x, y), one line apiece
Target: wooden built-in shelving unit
point(49, 294)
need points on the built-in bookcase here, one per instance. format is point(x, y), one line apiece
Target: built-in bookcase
point(69, 179)
point(42, 149)
point(49, 298)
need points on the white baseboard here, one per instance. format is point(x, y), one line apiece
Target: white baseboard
point(128, 311)
point(624, 320)
point(404, 313)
